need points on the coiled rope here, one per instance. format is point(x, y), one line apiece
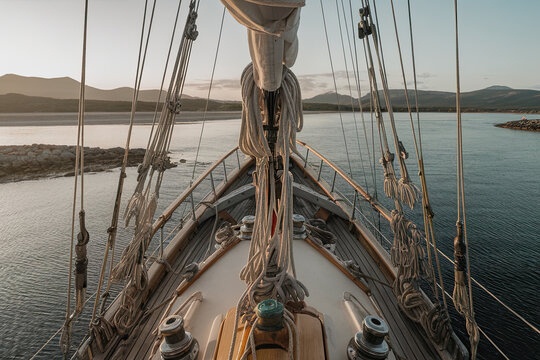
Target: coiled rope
point(269, 272)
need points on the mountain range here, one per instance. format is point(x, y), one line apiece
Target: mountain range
point(34, 94)
point(493, 98)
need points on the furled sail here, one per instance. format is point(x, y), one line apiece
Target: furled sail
point(271, 27)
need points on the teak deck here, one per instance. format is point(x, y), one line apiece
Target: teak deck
point(408, 339)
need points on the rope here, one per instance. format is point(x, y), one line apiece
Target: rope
point(387, 158)
point(208, 97)
point(426, 208)
point(408, 192)
point(462, 304)
point(79, 164)
point(114, 221)
point(356, 71)
point(143, 203)
point(270, 271)
point(56, 333)
point(350, 91)
point(335, 88)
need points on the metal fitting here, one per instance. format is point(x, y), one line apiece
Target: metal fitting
point(299, 230)
point(270, 315)
point(246, 230)
point(369, 344)
point(178, 343)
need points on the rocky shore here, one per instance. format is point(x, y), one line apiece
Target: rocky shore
point(524, 124)
point(26, 162)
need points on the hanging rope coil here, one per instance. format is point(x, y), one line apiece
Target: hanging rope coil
point(269, 272)
point(143, 203)
point(460, 296)
point(408, 255)
point(407, 252)
point(269, 257)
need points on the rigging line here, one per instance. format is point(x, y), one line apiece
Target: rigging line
point(427, 219)
point(349, 88)
point(186, 57)
point(404, 80)
point(208, 96)
point(377, 42)
point(415, 78)
point(335, 88)
point(372, 104)
point(356, 69)
point(114, 221)
point(164, 73)
point(77, 161)
point(379, 38)
point(485, 335)
point(461, 179)
point(56, 333)
point(507, 307)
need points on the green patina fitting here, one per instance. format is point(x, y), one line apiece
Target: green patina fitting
point(270, 315)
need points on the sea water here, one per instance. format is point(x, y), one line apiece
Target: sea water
point(502, 185)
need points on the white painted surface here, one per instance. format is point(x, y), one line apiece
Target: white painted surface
point(221, 288)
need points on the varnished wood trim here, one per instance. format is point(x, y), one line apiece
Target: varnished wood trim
point(386, 268)
point(336, 263)
point(166, 215)
point(384, 212)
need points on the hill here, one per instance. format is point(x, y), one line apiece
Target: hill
point(33, 94)
point(17, 103)
point(67, 88)
point(493, 98)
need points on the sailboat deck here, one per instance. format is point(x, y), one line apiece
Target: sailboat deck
point(408, 339)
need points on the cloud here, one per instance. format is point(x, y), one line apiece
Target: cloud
point(311, 85)
point(425, 75)
point(223, 84)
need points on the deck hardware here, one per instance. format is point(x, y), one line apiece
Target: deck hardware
point(238, 158)
point(246, 229)
point(193, 207)
point(212, 182)
point(299, 230)
point(320, 169)
point(270, 315)
point(364, 28)
point(178, 344)
point(354, 205)
point(334, 181)
point(369, 344)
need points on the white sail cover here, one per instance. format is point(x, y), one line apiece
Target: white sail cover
point(272, 27)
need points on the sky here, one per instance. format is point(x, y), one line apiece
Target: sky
point(499, 44)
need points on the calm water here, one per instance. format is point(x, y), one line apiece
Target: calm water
point(502, 169)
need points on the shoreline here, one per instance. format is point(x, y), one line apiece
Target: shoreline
point(106, 118)
point(37, 161)
point(141, 118)
point(523, 124)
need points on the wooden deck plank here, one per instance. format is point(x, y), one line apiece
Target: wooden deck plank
point(408, 337)
point(194, 251)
